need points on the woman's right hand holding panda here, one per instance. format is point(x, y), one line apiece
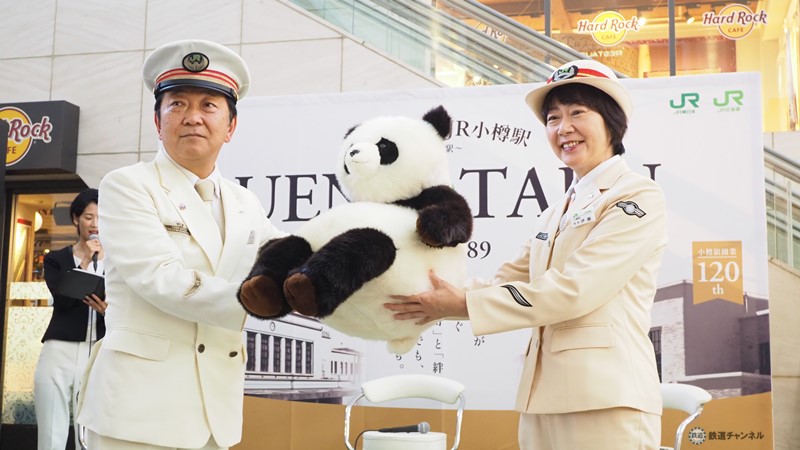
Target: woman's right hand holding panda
point(443, 301)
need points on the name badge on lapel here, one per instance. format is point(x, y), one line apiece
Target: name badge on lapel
point(583, 217)
point(178, 228)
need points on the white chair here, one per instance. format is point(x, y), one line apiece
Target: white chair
point(687, 398)
point(408, 386)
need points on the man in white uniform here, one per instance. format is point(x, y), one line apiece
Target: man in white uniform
point(170, 371)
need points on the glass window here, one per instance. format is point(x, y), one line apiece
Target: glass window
point(276, 353)
point(764, 366)
point(298, 357)
point(264, 360)
point(251, 351)
point(38, 224)
point(309, 357)
point(655, 338)
point(287, 355)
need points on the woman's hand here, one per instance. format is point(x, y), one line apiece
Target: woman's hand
point(444, 300)
point(96, 303)
point(92, 246)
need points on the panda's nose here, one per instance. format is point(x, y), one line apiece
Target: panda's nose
point(354, 152)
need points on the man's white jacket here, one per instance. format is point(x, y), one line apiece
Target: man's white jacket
point(170, 370)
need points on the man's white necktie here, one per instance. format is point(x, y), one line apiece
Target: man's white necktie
point(205, 188)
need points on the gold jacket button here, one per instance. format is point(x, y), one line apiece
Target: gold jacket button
point(201, 348)
point(233, 354)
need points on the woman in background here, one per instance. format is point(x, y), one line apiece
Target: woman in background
point(74, 326)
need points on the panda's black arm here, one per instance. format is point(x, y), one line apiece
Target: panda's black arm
point(445, 219)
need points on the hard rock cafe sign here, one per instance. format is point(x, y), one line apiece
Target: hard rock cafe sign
point(734, 21)
point(22, 133)
point(608, 28)
point(42, 136)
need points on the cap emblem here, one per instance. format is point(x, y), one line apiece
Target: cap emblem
point(195, 62)
point(565, 73)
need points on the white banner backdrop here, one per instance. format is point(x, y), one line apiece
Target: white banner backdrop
point(699, 137)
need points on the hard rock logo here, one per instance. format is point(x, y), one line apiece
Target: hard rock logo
point(23, 133)
point(608, 28)
point(734, 21)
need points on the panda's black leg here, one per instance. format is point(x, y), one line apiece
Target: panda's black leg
point(337, 270)
point(261, 294)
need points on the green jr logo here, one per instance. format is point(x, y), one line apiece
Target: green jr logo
point(736, 96)
point(692, 97)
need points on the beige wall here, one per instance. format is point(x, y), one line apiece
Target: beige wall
point(784, 323)
point(90, 53)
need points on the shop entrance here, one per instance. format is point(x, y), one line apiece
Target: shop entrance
point(36, 221)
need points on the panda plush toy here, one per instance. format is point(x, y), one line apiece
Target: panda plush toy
point(402, 221)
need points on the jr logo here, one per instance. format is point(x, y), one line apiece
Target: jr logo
point(692, 97)
point(736, 96)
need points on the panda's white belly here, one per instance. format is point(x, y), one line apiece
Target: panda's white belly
point(363, 314)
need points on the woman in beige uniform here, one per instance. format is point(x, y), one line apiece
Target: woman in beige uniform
point(584, 282)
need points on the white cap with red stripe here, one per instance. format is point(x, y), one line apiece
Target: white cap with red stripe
point(196, 63)
point(585, 71)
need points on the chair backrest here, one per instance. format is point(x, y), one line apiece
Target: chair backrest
point(396, 387)
point(687, 398)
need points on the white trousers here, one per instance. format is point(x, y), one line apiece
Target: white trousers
point(95, 441)
point(56, 383)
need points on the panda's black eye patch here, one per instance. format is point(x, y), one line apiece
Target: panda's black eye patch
point(388, 151)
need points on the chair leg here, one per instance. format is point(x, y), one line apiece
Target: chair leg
point(683, 425)
point(82, 437)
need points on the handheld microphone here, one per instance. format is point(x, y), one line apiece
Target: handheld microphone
point(421, 427)
point(94, 237)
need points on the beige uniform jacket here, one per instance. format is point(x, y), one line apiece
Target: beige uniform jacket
point(586, 292)
point(170, 370)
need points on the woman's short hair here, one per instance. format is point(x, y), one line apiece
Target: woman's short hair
point(589, 96)
point(81, 201)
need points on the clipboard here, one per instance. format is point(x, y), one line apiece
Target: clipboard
point(78, 284)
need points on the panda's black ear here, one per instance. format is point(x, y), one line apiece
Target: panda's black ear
point(440, 119)
point(350, 131)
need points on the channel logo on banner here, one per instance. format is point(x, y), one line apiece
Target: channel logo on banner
point(717, 271)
